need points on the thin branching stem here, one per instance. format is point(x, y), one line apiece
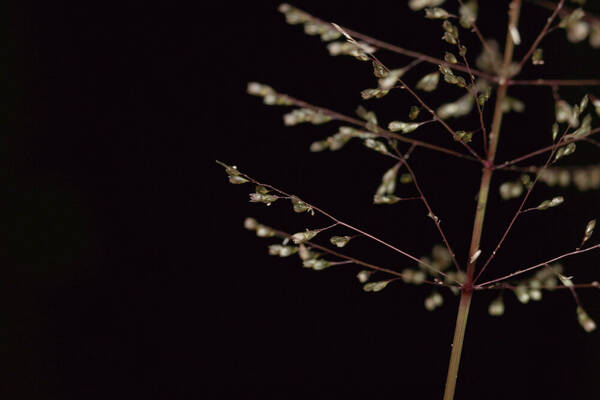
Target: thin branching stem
point(414, 54)
point(403, 161)
point(500, 286)
point(545, 149)
point(441, 121)
point(477, 32)
point(334, 263)
point(484, 130)
point(411, 65)
point(503, 80)
point(381, 132)
point(399, 50)
point(433, 60)
point(588, 17)
point(532, 169)
point(514, 218)
point(352, 260)
point(357, 230)
point(435, 219)
point(554, 82)
point(401, 156)
point(484, 187)
point(570, 287)
point(520, 210)
point(473, 92)
point(541, 35)
point(536, 266)
point(418, 98)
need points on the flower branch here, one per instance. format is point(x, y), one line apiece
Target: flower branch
point(289, 100)
point(309, 206)
point(398, 78)
point(536, 266)
point(549, 203)
point(546, 149)
point(541, 35)
point(433, 216)
point(500, 286)
point(387, 46)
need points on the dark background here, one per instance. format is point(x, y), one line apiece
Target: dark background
point(128, 272)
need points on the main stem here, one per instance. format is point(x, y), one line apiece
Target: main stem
point(484, 189)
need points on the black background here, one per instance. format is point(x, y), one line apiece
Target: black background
point(129, 273)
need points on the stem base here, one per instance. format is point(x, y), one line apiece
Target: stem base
point(457, 344)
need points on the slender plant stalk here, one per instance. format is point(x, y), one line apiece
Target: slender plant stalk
point(521, 210)
point(541, 35)
point(353, 260)
point(536, 266)
point(555, 82)
point(588, 17)
point(424, 57)
point(484, 188)
point(339, 222)
point(548, 148)
point(475, 29)
point(503, 80)
point(457, 343)
point(382, 132)
point(591, 285)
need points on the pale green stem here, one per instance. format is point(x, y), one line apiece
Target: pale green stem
point(484, 188)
